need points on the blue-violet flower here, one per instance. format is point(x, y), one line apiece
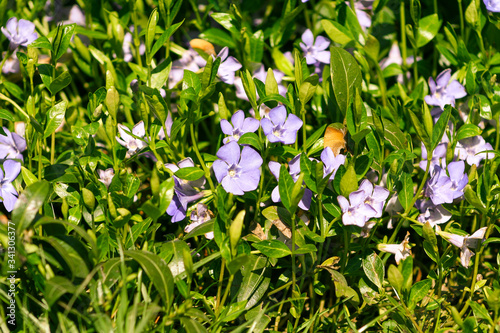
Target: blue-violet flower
point(279, 128)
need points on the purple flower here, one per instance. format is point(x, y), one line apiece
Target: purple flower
point(331, 162)
point(375, 197)
point(364, 19)
point(355, 211)
point(19, 33)
point(106, 176)
point(443, 189)
point(470, 150)
point(492, 5)
point(130, 142)
point(434, 214)
point(438, 156)
point(315, 51)
point(8, 194)
point(184, 191)
point(279, 128)
point(237, 171)
point(294, 165)
point(228, 66)
point(444, 92)
point(11, 65)
point(241, 125)
point(12, 145)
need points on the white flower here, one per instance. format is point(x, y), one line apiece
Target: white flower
point(401, 251)
point(128, 141)
point(465, 243)
point(106, 176)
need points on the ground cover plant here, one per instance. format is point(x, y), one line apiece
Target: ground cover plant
point(250, 166)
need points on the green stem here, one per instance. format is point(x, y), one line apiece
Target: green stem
point(294, 278)
point(347, 236)
point(219, 288)
point(198, 155)
point(403, 32)
point(461, 15)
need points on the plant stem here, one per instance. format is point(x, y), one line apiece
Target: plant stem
point(198, 155)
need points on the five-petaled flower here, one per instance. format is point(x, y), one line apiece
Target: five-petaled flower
point(8, 194)
point(315, 51)
point(241, 125)
point(442, 188)
point(444, 92)
point(228, 66)
point(11, 145)
point(354, 210)
point(130, 142)
point(294, 164)
point(19, 33)
point(280, 128)
point(237, 171)
point(470, 149)
point(434, 214)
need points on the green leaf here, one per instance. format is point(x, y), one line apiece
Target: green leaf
point(374, 269)
point(28, 177)
point(440, 126)
point(191, 80)
point(285, 186)
point(346, 76)
point(473, 199)
point(428, 29)
point(235, 230)
point(405, 194)
point(225, 19)
point(164, 37)
point(255, 282)
point(157, 271)
point(45, 72)
point(28, 204)
point(467, 131)
point(55, 117)
point(480, 312)
point(6, 115)
point(56, 287)
point(156, 103)
point(41, 42)
point(337, 32)
point(419, 291)
point(62, 40)
point(255, 46)
point(393, 134)
point(272, 248)
point(190, 173)
point(271, 84)
point(159, 75)
point(151, 30)
point(218, 36)
point(308, 168)
point(308, 88)
point(395, 278)
point(251, 139)
point(192, 325)
point(348, 182)
point(60, 82)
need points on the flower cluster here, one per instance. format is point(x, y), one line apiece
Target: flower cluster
point(442, 188)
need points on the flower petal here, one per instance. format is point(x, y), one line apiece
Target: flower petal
point(229, 153)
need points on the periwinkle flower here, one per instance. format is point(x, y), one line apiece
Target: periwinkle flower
point(11, 145)
point(492, 5)
point(438, 156)
point(354, 210)
point(190, 60)
point(132, 144)
point(315, 51)
point(375, 197)
point(434, 214)
point(199, 216)
point(470, 149)
point(294, 165)
point(365, 21)
point(331, 162)
point(444, 92)
point(8, 194)
point(228, 66)
point(106, 176)
point(279, 127)
point(19, 33)
point(11, 65)
point(237, 171)
point(465, 243)
point(442, 188)
point(401, 251)
point(240, 126)
point(184, 191)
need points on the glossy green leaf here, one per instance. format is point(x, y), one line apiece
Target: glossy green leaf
point(393, 134)
point(28, 204)
point(428, 29)
point(467, 131)
point(272, 248)
point(251, 139)
point(255, 281)
point(419, 291)
point(374, 269)
point(62, 39)
point(60, 82)
point(346, 76)
point(190, 173)
point(405, 194)
point(158, 272)
point(440, 126)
